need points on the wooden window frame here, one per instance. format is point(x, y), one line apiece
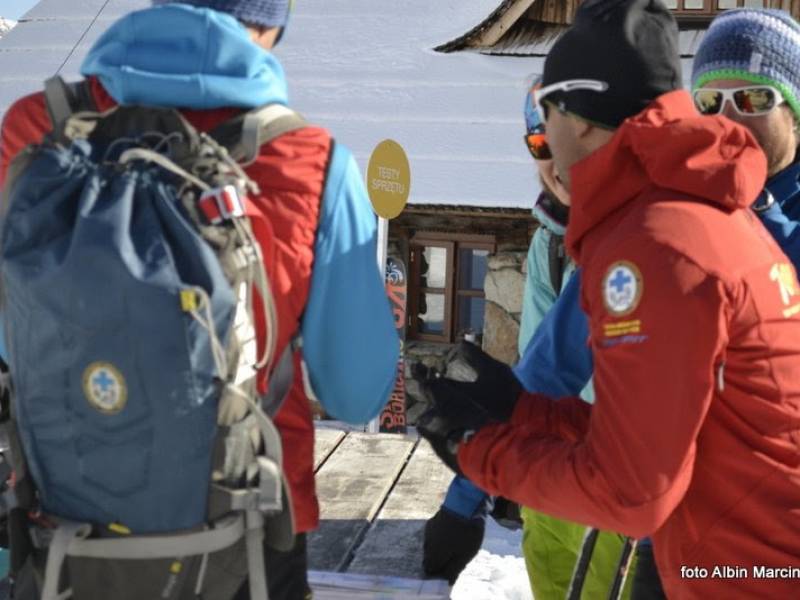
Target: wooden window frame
point(709, 11)
point(416, 291)
point(452, 243)
point(458, 291)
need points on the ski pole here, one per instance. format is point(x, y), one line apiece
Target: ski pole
point(623, 569)
point(582, 564)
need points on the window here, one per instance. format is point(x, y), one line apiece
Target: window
point(446, 298)
point(708, 8)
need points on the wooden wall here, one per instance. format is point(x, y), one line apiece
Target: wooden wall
point(793, 6)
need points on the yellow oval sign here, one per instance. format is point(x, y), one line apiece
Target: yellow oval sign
point(388, 179)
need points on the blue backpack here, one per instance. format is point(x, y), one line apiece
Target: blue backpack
point(128, 273)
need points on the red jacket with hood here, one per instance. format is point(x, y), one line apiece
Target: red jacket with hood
point(695, 329)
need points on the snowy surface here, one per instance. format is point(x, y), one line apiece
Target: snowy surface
point(498, 571)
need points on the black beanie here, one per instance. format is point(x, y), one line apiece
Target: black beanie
point(632, 45)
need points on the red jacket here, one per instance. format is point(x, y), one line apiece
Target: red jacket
point(695, 329)
point(291, 174)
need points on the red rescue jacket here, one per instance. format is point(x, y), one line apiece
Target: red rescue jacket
point(695, 329)
point(291, 173)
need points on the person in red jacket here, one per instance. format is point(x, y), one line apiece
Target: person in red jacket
point(323, 270)
point(694, 438)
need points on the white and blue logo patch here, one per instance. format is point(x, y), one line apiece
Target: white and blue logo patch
point(622, 288)
point(104, 387)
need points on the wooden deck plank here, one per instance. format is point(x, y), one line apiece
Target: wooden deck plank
point(325, 442)
point(344, 586)
point(352, 485)
point(393, 545)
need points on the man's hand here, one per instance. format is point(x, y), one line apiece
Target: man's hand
point(476, 390)
point(451, 542)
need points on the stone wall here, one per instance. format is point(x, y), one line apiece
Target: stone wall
point(504, 286)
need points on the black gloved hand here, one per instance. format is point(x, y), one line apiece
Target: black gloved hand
point(486, 386)
point(451, 542)
point(477, 390)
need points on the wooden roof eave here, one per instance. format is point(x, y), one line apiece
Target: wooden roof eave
point(492, 27)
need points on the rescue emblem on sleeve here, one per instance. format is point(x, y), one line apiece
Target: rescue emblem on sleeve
point(783, 275)
point(622, 288)
point(104, 387)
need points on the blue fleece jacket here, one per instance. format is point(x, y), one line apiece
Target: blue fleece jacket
point(782, 219)
point(186, 57)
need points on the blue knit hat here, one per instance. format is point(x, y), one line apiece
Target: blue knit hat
point(756, 45)
point(264, 13)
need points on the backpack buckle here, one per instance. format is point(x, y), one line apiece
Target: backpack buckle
point(221, 204)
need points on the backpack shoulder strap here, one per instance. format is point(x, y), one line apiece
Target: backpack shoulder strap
point(246, 134)
point(65, 99)
point(57, 98)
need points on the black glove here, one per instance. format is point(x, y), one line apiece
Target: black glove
point(451, 542)
point(477, 390)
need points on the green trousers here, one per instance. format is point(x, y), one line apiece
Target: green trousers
point(551, 548)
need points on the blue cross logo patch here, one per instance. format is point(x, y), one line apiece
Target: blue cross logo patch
point(104, 387)
point(622, 288)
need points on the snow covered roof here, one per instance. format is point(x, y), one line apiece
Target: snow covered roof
point(364, 68)
point(367, 70)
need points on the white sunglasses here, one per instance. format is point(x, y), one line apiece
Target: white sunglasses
point(749, 101)
point(569, 85)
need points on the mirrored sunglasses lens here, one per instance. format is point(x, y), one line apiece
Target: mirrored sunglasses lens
point(755, 100)
point(708, 102)
point(537, 145)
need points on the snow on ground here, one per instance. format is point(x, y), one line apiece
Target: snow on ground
point(498, 572)
point(6, 25)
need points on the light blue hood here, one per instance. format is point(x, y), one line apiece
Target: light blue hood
point(185, 57)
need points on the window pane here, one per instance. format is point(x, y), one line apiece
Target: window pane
point(672, 4)
point(754, 3)
point(431, 313)
point(472, 265)
point(694, 4)
point(433, 270)
point(724, 4)
point(470, 314)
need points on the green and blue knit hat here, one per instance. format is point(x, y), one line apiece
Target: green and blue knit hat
point(756, 45)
